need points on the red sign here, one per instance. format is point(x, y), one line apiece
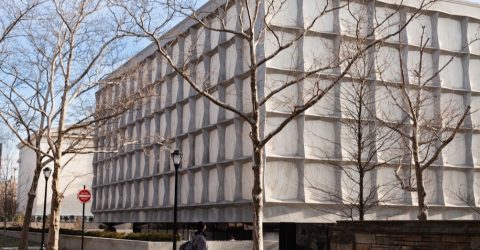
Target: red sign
point(84, 196)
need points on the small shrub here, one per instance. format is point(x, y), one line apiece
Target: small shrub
point(149, 236)
point(18, 220)
point(153, 236)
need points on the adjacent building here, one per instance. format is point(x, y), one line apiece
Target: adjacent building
point(76, 173)
point(136, 184)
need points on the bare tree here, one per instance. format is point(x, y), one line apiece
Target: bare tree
point(8, 202)
point(431, 118)
point(365, 145)
point(267, 46)
point(61, 57)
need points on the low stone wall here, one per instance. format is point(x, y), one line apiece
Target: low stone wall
point(69, 242)
point(406, 235)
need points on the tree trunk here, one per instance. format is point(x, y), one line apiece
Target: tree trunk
point(32, 193)
point(422, 206)
point(54, 227)
point(361, 202)
point(257, 196)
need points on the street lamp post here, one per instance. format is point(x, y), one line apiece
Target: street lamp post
point(46, 172)
point(177, 158)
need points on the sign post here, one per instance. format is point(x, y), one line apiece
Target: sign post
point(83, 196)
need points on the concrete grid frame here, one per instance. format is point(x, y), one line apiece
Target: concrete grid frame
point(135, 184)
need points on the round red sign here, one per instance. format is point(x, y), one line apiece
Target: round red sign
point(84, 196)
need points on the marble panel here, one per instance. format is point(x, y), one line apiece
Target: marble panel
point(475, 109)
point(161, 191)
point(229, 183)
point(186, 117)
point(474, 74)
point(246, 96)
point(388, 188)
point(387, 23)
point(163, 126)
point(281, 181)
point(230, 61)
point(473, 34)
point(199, 112)
point(420, 24)
point(325, 106)
point(198, 187)
point(318, 53)
point(213, 185)
point(176, 54)
point(281, 13)
point(186, 153)
point(451, 76)
point(150, 193)
point(318, 15)
point(287, 98)
point(175, 87)
point(450, 34)
point(199, 149)
point(213, 146)
point(421, 75)
point(214, 108)
point(230, 20)
point(188, 48)
point(171, 191)
point(387, 105)
point(286, 141)
point(387, 66)
point(455, 183)
point(230, 141)
point(214, 35)
point(247, 148)
point(320, 182)
point(452, 108)
point(185, 184)
point(353, 18)
point(455, 152)
point(163, 94)
point(174, 122)
point(200, 40)
point(319, 139)
point(247, 181)
point(285, 59)
point(230, 99)
point(214, 69)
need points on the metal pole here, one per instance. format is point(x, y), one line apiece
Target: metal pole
point(175, 211)
point(5, 173)
point(83, 219)
point(5, 205)
point(44, 214)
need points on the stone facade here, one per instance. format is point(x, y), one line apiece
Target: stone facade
point(135, 184)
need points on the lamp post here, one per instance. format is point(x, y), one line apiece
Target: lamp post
point(46, 172)
point(177, 158)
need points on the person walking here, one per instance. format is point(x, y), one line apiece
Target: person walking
point(200, 239)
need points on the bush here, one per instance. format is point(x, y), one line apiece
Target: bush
point(149, 236)
point(154, 236)
point(18, 220)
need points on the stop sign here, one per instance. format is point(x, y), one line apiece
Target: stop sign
point(84, 196)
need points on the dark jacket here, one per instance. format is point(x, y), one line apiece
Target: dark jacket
point(200, 241)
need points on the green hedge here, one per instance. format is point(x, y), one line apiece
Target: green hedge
point(156, 236)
